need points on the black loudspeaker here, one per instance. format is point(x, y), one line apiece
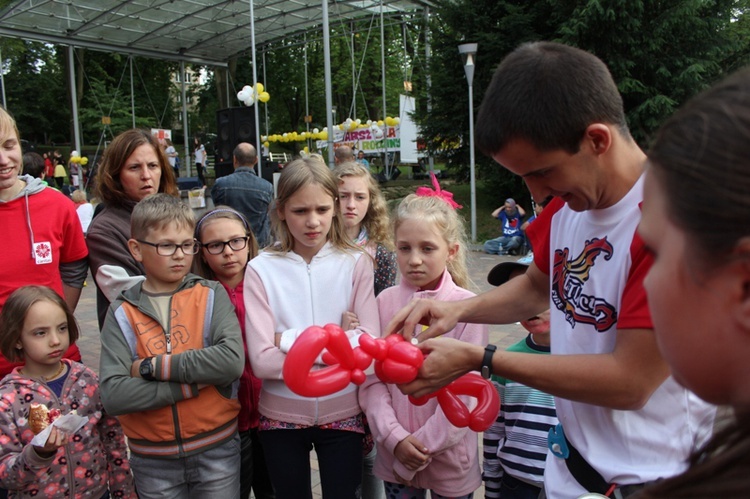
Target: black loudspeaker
point(268, 168)
point(187, 183)
point(223, 168)
point(233, 125)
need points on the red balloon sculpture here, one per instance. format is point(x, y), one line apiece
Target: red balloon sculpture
point(396, 361)
point(347, 365)
point(483, 415)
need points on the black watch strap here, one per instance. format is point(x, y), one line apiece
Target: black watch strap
point(146, 369)
point(489, 351)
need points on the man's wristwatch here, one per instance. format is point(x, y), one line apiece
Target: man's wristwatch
point(489, 351)
point(146, 369)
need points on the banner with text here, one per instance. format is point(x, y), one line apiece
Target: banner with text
point(369, 140)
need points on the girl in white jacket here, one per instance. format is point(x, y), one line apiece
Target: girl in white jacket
point(309, 278)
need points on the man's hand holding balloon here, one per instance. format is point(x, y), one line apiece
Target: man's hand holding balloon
point(396, 361)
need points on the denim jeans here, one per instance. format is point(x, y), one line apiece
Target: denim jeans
point(372, 486)
point(502, 245)
point(213, 474)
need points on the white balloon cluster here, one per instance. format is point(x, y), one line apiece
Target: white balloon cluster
point(249, 94)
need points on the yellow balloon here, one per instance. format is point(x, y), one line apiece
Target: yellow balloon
point(306, 149)
point(264, 96)
point(324, 135)
point(84, 160)
point(259, 88)
point(265, 143)
point(380, 123)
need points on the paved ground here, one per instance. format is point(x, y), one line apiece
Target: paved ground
point(479, 265)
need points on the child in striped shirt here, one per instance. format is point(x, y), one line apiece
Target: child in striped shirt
point(515, 447)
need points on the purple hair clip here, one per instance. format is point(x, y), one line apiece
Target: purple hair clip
point(436, 191)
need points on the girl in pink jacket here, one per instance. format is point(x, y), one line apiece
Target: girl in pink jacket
point(417, 448)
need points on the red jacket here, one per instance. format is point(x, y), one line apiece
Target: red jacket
point(249, 393)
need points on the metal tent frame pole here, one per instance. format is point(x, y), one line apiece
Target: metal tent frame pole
point(255, 75)
point(185, 129)
point(386, 166)
point(132, 90)
point(327, 71)
point(74, 97)
point(2, 79)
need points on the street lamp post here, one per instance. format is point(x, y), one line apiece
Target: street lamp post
point(468, 53)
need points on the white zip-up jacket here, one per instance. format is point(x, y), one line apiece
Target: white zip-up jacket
point(284, 294)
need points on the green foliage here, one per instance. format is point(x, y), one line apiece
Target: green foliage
point(497, 27)
point(34, 89)
point(37, 91)
point(661, 52)
point(107, 93)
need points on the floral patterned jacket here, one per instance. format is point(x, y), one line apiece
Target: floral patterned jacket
point(93, 461)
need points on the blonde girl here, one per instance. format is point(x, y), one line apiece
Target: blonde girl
point(310, 277)
point(366, 221)
point(227, 244)
point(417, 448)
point(36, 327)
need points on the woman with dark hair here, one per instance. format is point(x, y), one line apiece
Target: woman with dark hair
point(696, 222)
point(134, 166)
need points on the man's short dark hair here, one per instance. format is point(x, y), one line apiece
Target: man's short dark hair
point(33, 164)
point(547, 94)
point(245, 154)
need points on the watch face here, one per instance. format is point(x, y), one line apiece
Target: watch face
point(145, 368)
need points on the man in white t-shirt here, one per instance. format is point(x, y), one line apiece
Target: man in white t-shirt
point(553, 116)
point(171, 154)
point(199, 155)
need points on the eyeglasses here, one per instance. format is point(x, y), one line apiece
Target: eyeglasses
point(217, 247)
point(169, 249)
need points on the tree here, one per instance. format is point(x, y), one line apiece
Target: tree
point(34, 87)
point(660, 53)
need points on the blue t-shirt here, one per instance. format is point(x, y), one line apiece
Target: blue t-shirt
point(511, 224)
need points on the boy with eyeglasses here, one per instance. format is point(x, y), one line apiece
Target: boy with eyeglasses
point(171, 356)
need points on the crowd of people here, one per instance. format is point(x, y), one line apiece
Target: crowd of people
point(635, 299)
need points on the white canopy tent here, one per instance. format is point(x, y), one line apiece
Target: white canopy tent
point(209, 32)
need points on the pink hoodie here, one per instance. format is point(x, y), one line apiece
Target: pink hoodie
point(454, 468)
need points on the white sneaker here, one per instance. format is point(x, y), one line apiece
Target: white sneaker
point(527, 259)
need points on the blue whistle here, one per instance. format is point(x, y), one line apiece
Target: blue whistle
point(556, 442)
